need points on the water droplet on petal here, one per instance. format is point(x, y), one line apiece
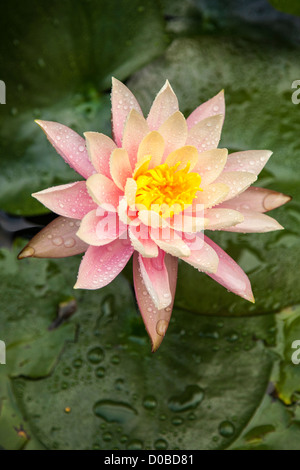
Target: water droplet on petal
point(161, 327)
point(57, 241)
point(69, 242)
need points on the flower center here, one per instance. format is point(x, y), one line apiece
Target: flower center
point(167, 190)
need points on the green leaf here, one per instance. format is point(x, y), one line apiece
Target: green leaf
point(125, 397)
point(57, 61)
point(28, 307)
point(107, 379)
point(273, 427)
point(288, 375)
point(287, 6)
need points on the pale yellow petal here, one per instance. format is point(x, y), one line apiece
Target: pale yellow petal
point(130, 192)
point(185, 155)
point(210, 165)
point(211, 195)
point(206, 134)
point(136, 128)
point(152, 144)
point(120, 168)
point(237, 181)
point(174, 132)
point(220, 218)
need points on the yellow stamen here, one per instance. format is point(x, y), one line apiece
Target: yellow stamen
point(165, 189)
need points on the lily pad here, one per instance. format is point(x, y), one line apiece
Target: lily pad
point(28, 305)
point(106, 378)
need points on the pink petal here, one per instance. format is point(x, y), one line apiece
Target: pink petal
point(103, 190)
point(57, 240)
point(255, 222)
point(218, 219)
point(100, 227)
point(212, 107)
point(130, 192)
point(237, 182)
point(257, 199)
point(251, 161)
point(174, 132)
point(69, 145)
point(169, 241)
point(126, 215)
point(206, 134)
point(156, 279)
point(164, 105)
point(151, 218)
point(101, 264)
point(136, 128)
point(210, 165)
point(229, 274)
point(120, 167)
point(184, 222)
point(203, 257)
point(99, 148)
point(122, 102)
point(141, 243)
point(156, 321)
point(69, 200)
point(211, 195)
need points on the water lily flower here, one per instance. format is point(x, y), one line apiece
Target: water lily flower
point(141, 195)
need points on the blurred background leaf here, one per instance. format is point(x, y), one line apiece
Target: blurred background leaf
point(57, 61)
point(287, 6)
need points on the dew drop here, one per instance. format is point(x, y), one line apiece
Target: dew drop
point(69, 242)
point(226, 429)
point(114, 411)
point(135, 445)
point(150, 402)
point(160, 444)
point(95, 355)
point(161, 327)
point(77, 363)
point(57, 241)
point(191, 397)
point(100, 372)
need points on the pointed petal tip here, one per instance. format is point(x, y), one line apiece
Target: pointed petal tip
point(40, 123)
point(114, 80)
point(161, 330)
point(155, 346)
point(27, 252)
point(156, 342)
point(274, 200)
